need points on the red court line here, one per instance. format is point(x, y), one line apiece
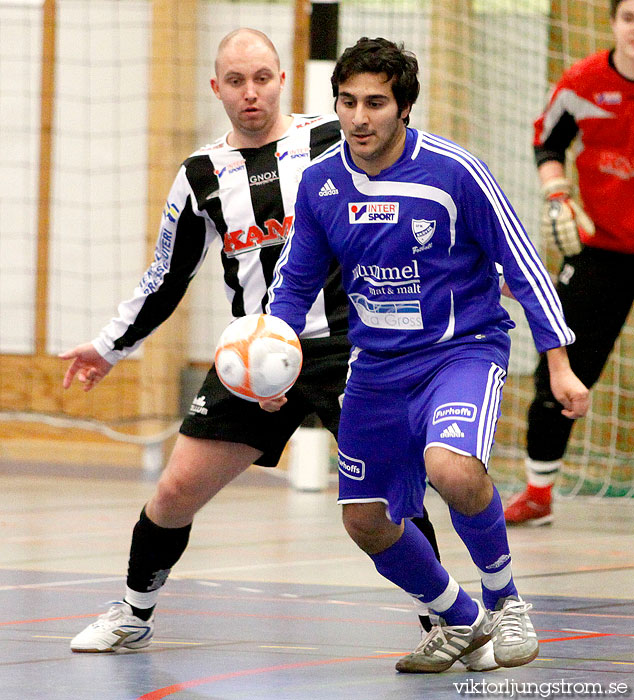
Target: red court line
point(177, 687)
point(47, 619)
point(582, 636)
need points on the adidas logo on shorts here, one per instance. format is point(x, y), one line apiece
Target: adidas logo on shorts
point(328, 188)
point(452, 431)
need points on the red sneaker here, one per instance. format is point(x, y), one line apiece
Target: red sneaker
point(522, 510)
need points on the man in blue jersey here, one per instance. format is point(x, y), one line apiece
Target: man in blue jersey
point(418, 225)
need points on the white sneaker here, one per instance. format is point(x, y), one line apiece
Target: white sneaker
point(482, 659)
point(445, 644)
point(116, 629)
point(514, 638)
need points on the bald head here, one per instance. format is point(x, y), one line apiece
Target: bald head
point(249, 84)
point(244, 37)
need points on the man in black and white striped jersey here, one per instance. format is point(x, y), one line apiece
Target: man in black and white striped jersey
point(242, 189)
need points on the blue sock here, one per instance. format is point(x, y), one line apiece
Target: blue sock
point(484, 535)
point(411, 564)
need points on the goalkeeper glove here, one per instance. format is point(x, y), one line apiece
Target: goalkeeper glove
point(563, 218)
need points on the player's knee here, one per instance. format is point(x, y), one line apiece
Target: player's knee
point(368, 526)
point(174, 502)
point(461, 480)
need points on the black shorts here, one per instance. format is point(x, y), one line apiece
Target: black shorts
point(216, 414)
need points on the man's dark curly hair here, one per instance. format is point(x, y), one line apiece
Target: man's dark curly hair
point(380, 56)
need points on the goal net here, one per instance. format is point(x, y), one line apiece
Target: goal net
point(102, 100)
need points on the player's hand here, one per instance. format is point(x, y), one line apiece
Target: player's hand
point(273, 405)
point(563, 218)
point(571, 393)
point(567, 388)
point(89, 366)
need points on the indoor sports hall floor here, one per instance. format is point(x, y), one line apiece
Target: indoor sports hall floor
point(273, 601)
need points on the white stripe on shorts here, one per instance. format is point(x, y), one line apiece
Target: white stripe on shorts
point(489, 412)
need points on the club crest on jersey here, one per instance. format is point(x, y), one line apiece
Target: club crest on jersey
point(351, 467)
point(423, 230)
point(373, 213)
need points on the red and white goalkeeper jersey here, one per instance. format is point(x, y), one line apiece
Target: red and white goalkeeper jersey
point(595, 103)
point(245, 197)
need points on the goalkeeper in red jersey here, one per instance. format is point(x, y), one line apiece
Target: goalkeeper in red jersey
point(593, 105)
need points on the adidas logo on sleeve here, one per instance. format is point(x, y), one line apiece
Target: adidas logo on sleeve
point(328, 188)
point(452, 431)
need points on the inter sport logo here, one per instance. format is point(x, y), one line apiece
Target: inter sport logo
point(233, 167)
point(293, 153)
point(373, 213)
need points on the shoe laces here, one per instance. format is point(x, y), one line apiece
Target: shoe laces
point(509, 621)
point(437, 637)
point(115, 611)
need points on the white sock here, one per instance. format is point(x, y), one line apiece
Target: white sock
point(143, 601)
point(542, 474)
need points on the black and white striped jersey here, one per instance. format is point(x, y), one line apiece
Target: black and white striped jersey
point(246, 197)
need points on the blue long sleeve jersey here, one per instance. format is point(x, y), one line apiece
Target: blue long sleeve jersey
point(418, 246)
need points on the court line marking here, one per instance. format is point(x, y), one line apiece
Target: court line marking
point(580, 636)
point(76, 582)
point(382, 653)
point(283, 646)
point(194, 683)
point(154, 641)
point(178, 687)
point(269, 565)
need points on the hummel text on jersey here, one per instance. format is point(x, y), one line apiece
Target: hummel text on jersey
point(452, 431)
point(388, 276)
point(328, 188)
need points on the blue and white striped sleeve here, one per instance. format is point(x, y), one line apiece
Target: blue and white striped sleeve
point(504, 239)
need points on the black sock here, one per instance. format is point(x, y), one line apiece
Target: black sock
point(425, 526)
point(425, 622)
point(141, 613)
point(153, 552)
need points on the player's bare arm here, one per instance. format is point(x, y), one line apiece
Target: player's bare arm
point(567, 388)
point(87, 364)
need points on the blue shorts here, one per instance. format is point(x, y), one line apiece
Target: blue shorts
point(392, 414)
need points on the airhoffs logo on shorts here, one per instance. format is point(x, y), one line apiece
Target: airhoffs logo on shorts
point(351, 467)
point(455, 411)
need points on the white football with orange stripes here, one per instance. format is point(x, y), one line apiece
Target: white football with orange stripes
point(258, 357)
